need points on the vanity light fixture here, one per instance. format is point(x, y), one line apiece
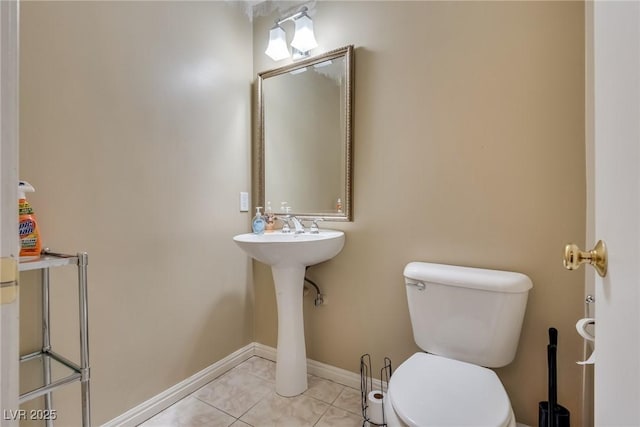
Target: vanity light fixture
point(277, 48)
point(303, 38)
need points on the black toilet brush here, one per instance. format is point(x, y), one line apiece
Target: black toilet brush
point(550, 413)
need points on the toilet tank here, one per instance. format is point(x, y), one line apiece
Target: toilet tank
point(469, 314)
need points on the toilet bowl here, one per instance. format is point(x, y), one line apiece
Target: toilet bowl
point(467, 320)
point(429, 390)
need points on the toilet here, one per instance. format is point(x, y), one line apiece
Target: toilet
point(466, 320)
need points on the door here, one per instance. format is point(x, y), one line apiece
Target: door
point(8, 212)
point(616, 30)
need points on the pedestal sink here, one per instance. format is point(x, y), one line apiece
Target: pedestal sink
point(288, 254)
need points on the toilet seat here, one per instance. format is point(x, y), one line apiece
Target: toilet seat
point(430, 390)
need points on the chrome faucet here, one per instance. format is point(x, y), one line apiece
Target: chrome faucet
point(287, 218)
point(298, 225)
point(286, 226)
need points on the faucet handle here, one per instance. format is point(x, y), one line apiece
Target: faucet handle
point(314, 226)
point(285, 222)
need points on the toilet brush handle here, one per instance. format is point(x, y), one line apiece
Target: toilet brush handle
point(553, 336)
point(553, 389)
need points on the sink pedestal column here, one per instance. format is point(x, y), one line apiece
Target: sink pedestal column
point(291, 358)
point(288, 254)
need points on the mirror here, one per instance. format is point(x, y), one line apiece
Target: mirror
point(304, 141)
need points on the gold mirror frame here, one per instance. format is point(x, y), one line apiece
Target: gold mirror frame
point(259, 150)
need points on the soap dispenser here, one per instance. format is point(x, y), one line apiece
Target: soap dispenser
point(258, 223)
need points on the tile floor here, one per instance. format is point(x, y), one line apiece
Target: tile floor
point(245, 396)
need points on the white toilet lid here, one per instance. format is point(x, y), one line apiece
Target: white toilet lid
point(429, 390)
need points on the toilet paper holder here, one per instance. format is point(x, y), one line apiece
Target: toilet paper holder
point(374, 415)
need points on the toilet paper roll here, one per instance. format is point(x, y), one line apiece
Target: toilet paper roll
point(374, 409)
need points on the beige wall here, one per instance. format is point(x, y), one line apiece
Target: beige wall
point(135, 131)
point(469, 149)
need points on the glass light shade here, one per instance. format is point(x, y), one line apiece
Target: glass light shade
point(303, 39)
point(277, 47)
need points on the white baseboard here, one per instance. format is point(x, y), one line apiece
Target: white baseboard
point(264, 351)
point(158, 403)
point(338, 375)
point(322, 370)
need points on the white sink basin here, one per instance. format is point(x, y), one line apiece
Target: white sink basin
point(279, 248)
point(289, 254)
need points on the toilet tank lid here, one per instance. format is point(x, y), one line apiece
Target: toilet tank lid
point(468, 277)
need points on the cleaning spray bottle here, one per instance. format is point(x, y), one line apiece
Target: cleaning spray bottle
point(30, 241)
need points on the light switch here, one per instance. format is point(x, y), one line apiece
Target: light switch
point(244, 201)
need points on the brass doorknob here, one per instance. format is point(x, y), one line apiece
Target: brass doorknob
point(597, 257)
